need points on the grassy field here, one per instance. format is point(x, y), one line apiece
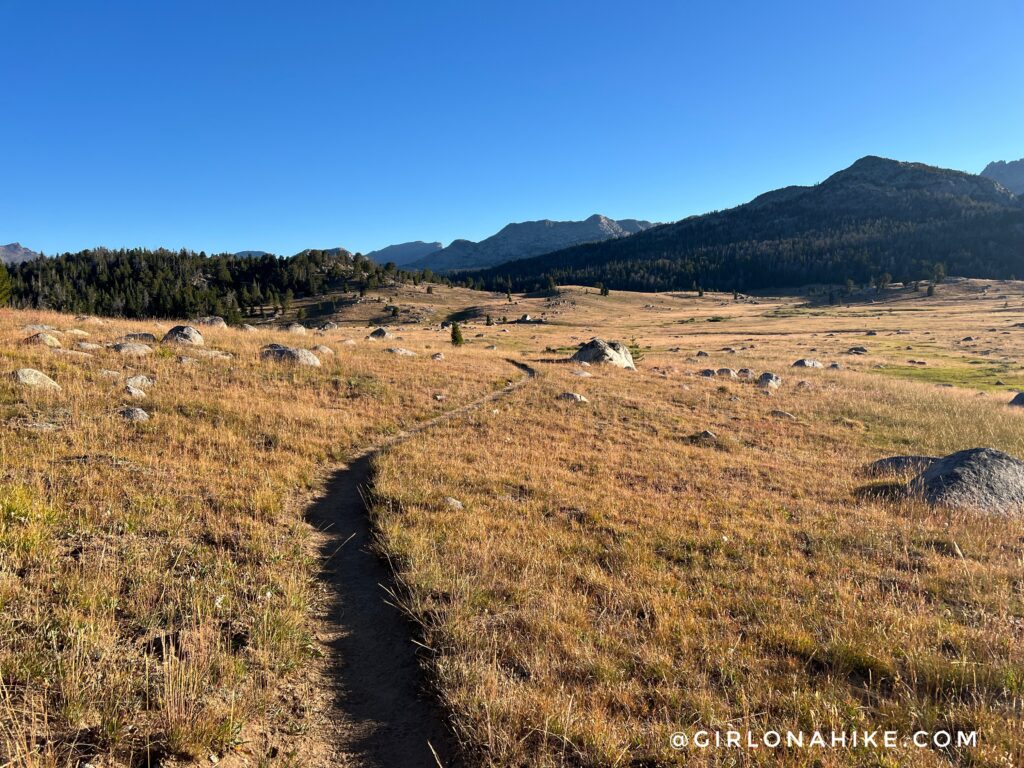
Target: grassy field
point(156, 579)
point(609, 578)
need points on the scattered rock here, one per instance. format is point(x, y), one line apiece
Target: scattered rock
point(583, 374)
point(145, 338)
point(296, 328)
point(745, 373)
point(601, 351)
point(73, 353)
point(978, 478)
point(134, 392)
point(708, 373)
point(380, 333)
point(213, 321)
point(248, 328)
point(132, 349)
point(857, 351)
point(30, 377)
point(285, 354)
point(491, 346)
point(88, 346)
point(45, 339)
point(437, 356)
point(400, 351)
point(330, 325)
point(140, 381)
point(108, 374)
point(785, 415)
point(574, 397)
point(1018, 399)
point(702, 353)
point(185, 335)
point(133, 415)
point(835, 367)
point(323, 349)
point(769, 381)
point(349, 342)
point(726, 373)
point(807, 363)
point(453, 503)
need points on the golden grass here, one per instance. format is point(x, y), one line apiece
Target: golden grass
point(156, 578)
point(611, 581)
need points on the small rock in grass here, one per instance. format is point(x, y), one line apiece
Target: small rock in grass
point(574, 397)
point(45, 339)
point(133, 415)
point(185, 335)
point(140, 381)
point(30, 377)
point(213, 321)
point(132, 349)
point(285, 354)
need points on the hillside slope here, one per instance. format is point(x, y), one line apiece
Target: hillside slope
point(877, 216)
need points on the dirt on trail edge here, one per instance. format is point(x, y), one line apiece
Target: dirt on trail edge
point(381, 714)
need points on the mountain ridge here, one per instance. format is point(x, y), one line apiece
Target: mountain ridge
point(524, 239)
point(15, 253)
point(876, 216)
point(1009, 174)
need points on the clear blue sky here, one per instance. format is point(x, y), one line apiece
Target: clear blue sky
point(223, 125)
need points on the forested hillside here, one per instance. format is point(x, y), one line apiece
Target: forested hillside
point(163, 283)
point(875, 219)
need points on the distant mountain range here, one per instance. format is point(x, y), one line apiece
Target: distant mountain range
point(514, 241)
point(878, 216)
point(404, 254)
point(526, 239)
point(1010, 175)
point(15, 253)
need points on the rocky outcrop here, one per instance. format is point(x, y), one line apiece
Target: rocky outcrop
point(1009, 174)
point(601, 351)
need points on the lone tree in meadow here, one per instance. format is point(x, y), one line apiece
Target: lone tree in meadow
point(457, 335)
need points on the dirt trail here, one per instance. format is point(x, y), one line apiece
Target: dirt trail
point(384, 718)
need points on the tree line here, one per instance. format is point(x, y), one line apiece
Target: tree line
point(138, 282)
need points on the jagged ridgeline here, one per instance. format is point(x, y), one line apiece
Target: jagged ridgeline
point(878, 217)
point(164, 283)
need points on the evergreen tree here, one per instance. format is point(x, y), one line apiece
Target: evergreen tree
point(457, 339)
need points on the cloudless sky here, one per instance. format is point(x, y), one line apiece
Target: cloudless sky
point(224, 125)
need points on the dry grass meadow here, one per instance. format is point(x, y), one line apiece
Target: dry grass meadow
point(608, 580)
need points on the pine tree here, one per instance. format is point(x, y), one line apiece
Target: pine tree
point(5, 286)
point(457, 339)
